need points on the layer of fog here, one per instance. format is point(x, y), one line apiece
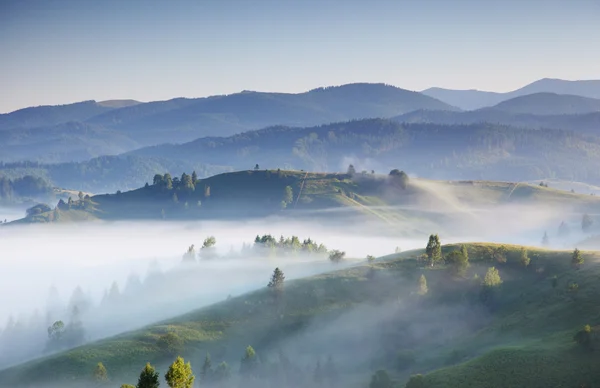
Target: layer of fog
point(101, 256)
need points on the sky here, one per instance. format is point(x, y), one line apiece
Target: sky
point(63, 51)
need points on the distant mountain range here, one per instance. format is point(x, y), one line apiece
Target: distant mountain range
point(476, 99)
point(48, 134)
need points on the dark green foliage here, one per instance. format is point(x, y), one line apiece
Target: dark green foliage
point(335, 256)
point(434, 249)
point(289, 245)
point(577, 259)
point(277, 279)
point(206, 373)
point(222, 374)
point(180, 374)
point(399, 177)
point(351, 170)
point(149, 377)
point(586, 223)
point(27, 186)
point(381, 379)
point(459, 261)
point(416, 381)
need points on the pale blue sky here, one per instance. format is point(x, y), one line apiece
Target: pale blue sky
point(62, 51)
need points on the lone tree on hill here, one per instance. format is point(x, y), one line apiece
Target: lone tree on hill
point(257, 167)
point(335, 256)
point(100, 373)
point(577, 260)
point(277, 279)
point(148, 377)
point(180, 374)
point(434, 249)
point(351, 170)
point(400, 177)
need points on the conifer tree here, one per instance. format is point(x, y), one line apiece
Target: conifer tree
point(148, 377)
point(100, 373)
point(180, 374)
point(576, 260)
point(434, 249)
point(206, 373)
point(277, 279)
point(250, 364)
point(545, 240)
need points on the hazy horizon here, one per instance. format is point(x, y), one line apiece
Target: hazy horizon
point(61, 51)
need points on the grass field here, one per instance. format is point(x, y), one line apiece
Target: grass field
point(373, 313)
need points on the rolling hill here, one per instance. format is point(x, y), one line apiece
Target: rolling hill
point(549, 104)
point(45, 133)
point(476, 151)
point(475, 99)
point(458, 333)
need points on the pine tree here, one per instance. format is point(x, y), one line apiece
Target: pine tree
point(351, 170)
point(250, 364)
point(277, 279)
point(194, 177)
point(434, 249)
point(492, 278)
point(423, 285)
point(545, 240)
point(100, 373)
point(206, 373)
point(180, 374)
point(148, 377)
point(222, 373)
point(330, 373)
point(577, 260)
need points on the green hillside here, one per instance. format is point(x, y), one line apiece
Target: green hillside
point(417, 205)
point(459, 333)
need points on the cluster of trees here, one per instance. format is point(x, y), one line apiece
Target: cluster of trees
point(187, 183)
point(288, 245)
point(207, 251)
point(83, 202)
point(27, 186)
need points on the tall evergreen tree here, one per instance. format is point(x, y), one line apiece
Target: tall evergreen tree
point(148, 378)
point(545, 240)
point(249, 368)
point(194, 177)
point(206, 372)
point(180, 374)
point(277, 279)
point(434, 249)
point(576, 260)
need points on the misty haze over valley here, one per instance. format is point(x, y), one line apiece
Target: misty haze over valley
point(299, 194)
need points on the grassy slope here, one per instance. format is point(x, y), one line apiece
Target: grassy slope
point(259, 193)
point(527, 343)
